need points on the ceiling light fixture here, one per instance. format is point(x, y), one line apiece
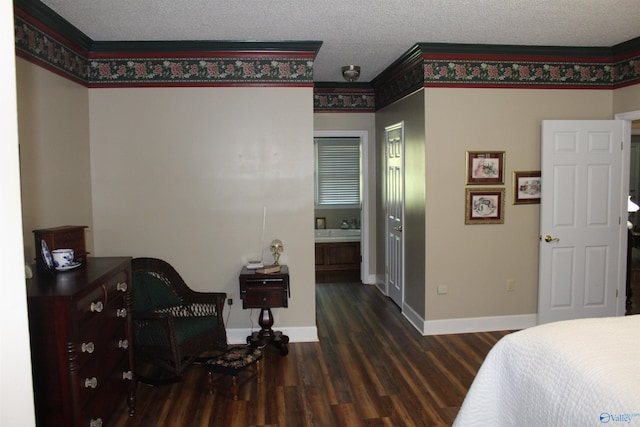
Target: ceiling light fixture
point(351, 72)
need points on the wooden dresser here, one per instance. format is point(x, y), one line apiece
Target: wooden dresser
point(81, 343)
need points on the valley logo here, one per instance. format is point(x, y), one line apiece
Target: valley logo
point(606, 418)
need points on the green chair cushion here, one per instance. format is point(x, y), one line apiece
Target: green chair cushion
point(188, 328)
point(151, 293)
point(152, 333)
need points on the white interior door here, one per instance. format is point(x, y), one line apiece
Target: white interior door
point(394, 141)
point(582, 219)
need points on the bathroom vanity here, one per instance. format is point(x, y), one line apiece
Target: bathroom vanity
point(337, 249)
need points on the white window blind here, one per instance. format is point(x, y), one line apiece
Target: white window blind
point(337, 171)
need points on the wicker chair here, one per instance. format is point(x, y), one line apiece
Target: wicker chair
point(172, 323)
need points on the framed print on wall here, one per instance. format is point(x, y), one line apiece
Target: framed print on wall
point(321, 223)
point(485, 167)
point(526, 187)
point(484, 206)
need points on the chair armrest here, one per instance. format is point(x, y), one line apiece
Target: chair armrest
point(206, 303)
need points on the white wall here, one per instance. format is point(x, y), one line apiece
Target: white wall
point(16, 401)
point(183, 174)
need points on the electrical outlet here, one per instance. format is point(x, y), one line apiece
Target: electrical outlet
point(230, 298)
point(511, 284)
point(443, 289)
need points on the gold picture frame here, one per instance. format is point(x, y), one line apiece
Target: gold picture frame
point(484, 206)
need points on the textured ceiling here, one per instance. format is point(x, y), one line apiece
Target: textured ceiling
point(369, 33)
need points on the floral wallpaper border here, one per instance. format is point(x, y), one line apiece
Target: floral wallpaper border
point(341, 100)
point(210, 69)
point(42, 45)
point(517, 73)
point(513, 72)
point(201, 71)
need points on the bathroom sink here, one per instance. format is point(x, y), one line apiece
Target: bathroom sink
point(338, 235)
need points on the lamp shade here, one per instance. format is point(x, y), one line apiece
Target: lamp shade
point(631, 206)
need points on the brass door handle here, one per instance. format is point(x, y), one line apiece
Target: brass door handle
point(548, 239)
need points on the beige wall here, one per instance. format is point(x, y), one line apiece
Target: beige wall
point(475, 261)
point(183, 174)
point(53, 123)
point(626, 99)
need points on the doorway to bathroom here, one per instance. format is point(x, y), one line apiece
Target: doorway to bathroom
point(341, 197)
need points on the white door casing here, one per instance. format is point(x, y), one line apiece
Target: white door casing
point(365, 221)
point(582, 219)
point(394, 210)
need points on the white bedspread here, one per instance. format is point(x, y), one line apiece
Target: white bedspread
point(574, 373)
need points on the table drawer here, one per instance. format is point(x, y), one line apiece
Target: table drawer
point(264, 296)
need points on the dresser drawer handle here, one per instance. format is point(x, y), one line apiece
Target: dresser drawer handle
point(264, 299)
point(123, 344)
point(127, 375)
point(97, 307)
point(122, 287)
point(91, 382)
point(88, 347)
point(95, 423)
point(121, 312)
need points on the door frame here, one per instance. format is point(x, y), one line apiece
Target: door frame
point(627, 117)
point(365, 223)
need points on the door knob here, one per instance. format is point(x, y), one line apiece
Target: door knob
point(548, 239)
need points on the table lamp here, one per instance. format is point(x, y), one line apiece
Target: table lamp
point(276, 249)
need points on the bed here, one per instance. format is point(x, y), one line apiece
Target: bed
point(582, 372)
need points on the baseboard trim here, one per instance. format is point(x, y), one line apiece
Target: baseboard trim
point(413, 317)
point(479, 324)
point(296, 334)
point(370, 279)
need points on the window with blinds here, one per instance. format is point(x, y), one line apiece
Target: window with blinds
point(337, 172)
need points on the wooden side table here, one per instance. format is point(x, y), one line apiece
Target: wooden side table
point(265, 291)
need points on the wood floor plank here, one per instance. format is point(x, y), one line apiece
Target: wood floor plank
point(370, 368)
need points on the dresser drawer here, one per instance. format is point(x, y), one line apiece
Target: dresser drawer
point(96, 302)
point(101, 403)
point(97, 371)
point(109, 335)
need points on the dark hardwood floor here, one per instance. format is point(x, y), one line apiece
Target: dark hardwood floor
point(370, 368)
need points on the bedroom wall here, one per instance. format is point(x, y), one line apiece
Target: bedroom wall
point(53, 124)
point(626, 99)
point(183, 174)
point(475, 261)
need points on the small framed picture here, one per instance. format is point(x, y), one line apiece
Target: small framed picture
point(484, 206)
point(485, 167)
point(321, 223)
point(526, 187)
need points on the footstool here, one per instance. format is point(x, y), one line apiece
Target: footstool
point(232, 362)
